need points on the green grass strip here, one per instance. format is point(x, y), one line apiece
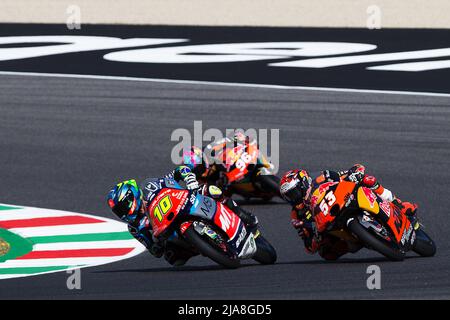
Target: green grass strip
point(83, 237)
point(8, 208)
point(18, 246)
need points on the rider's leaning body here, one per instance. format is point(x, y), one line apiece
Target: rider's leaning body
point(221, 156)
point(312, 231)
point(130, 203)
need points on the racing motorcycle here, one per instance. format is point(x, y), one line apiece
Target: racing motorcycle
point(244, 171)
point(206, 227)
point(359, 216)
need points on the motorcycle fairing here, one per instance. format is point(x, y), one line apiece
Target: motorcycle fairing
point(386, 212)
point(332, 196)
point(165, 207)
point(153, 186)
point(367, 200)
point(239, 238)
point(235, 172)
point(204, 207)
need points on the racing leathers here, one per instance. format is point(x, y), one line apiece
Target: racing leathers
point(328, 246)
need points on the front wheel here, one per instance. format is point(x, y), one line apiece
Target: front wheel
point(265, 252)
point(424, 245)
point(372, 242)
point(211, 249)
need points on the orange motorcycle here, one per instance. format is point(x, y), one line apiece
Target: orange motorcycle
point(356, 214)
point(244, 171)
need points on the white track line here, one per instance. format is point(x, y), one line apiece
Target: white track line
point(85, 245)
point(24, 214)
point(17, 275)
point(230, 84)
point(82, 261)
point(15, 214)
point(70, 229)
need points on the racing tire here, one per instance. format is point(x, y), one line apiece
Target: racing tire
point(372, 242)
point(424, 245)
point(208, 250)
point(265, 252)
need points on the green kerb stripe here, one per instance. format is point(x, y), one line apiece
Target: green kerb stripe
point(31, 270)
point(19, 246)
point(8, 208)
point(83, 237)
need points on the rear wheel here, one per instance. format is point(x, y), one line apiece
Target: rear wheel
point(214, 250)
point(373, 242)
point(265, 252)
point(424, 245)
point(269, 184)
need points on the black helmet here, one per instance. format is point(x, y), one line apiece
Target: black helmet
point(125, 200)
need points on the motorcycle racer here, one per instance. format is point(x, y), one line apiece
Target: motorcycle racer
point(297, 187)
point(237, 150)
point(129, 202)
point(197, 163)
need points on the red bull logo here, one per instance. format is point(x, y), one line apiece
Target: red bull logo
point(325, 186)
point(313, 201)
point(386, 207)
point(370, 196)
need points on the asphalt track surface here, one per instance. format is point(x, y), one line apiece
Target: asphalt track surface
point(65, 142)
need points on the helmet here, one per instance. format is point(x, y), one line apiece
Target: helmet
point(125, 200)
point(194, 160)
point(240, 137)
point(294, 186)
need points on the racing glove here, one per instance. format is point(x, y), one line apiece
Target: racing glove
point(191, 181)
point(185, 173)
point(302, 222)
point(356, 173)
point(372, 183)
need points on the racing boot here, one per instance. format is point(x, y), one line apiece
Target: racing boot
point(177, 255)
point(216, 193)
point(144, 236)
point(332, 248)
point(212, 191)
point(249, 219)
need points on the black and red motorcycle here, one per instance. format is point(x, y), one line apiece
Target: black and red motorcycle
point(206, 227)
